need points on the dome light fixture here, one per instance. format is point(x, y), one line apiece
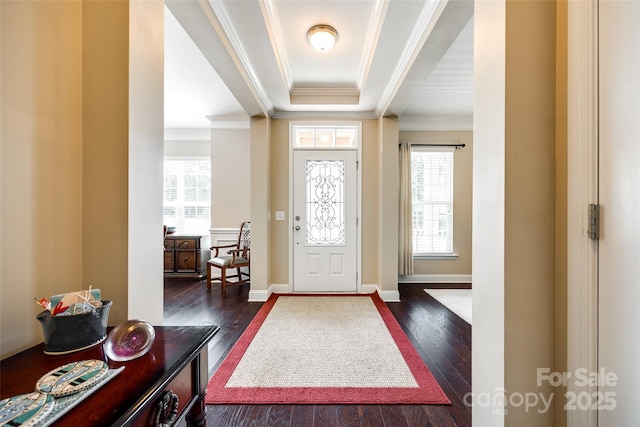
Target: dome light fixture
point(322, 37)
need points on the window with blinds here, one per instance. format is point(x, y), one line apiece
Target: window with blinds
point(432, 199)
point(187, 195)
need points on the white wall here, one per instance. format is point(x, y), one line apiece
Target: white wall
point(146, 128)
point(488, 208)
point(619, 197)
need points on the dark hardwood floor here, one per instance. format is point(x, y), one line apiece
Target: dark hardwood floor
point(442, 339)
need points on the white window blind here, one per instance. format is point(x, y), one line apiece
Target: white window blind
point(432, 199)
point(187, 195)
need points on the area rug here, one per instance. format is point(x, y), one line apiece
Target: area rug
point(324, 350)
point(456, 300)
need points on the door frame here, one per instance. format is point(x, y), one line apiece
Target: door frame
point(358, 150)
point(582, 179)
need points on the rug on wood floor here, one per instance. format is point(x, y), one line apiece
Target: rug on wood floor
point(456, 300)
point(324, 350)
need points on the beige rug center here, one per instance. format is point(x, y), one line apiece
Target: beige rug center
point(323, 342)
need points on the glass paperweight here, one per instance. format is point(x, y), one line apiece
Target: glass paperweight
point(129, 340)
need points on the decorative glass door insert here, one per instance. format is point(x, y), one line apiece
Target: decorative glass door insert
point(325, 223)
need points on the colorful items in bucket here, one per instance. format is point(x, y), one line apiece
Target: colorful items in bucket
point(72, 303)
point(57, 392)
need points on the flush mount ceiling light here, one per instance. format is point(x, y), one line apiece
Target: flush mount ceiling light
point(322, 37)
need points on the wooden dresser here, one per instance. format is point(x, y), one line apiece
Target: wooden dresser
point(185, 256)
point(175, 366)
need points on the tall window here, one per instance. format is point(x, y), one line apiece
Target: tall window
point(187, 195)
point(432, 199)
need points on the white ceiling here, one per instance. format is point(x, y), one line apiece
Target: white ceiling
point(231, 59)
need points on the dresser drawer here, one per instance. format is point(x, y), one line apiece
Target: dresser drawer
point(185, 243)
point(182, 387)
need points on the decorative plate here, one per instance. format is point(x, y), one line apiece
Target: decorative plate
point(72, 378)
point(129, 339)
point(26, 410)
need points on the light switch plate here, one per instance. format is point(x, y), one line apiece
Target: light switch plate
point(279, 215)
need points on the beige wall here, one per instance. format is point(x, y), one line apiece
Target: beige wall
point(370, 203)
point(462, 202)
point(261, 202)
point(388, 190)
point(279, 188)
point(529, 202)
point(69, 131)
point(105, 152)
point(41, 168)
point(230, 178)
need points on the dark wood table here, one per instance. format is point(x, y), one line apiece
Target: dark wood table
point(177, 362)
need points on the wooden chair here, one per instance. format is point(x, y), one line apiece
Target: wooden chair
point(238, 258)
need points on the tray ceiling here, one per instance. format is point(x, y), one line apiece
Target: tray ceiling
point(229, 60)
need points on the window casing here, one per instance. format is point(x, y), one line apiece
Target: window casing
point(187, 195)
point(432, 200)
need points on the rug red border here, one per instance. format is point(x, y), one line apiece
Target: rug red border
point(427, 392)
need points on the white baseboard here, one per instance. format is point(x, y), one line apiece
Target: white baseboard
point(258, 295)
point(279, 288)
point(262, 295)
point(387, 296)
point(369, 289)
point(436, 278)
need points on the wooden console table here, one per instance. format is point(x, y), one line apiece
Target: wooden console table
point(177, 362)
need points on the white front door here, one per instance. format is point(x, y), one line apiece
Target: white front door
point(324, 221)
